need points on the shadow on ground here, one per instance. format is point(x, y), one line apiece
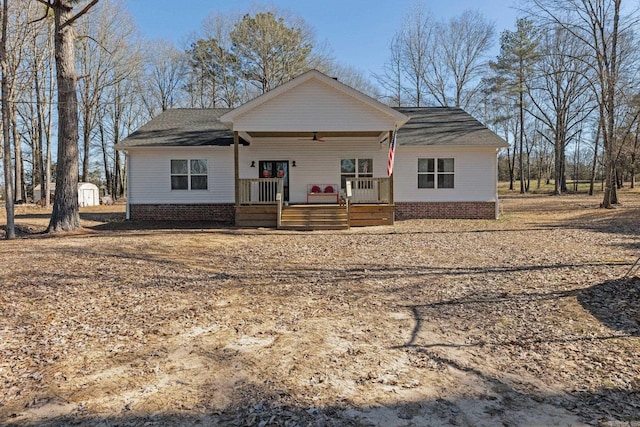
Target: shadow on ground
point(615, 303)
point(621, 220)
point(120, 224)
point(501, 405)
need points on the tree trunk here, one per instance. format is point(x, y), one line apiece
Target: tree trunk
point(521, 158)
point(10, 230)
point(609, 179)
point(65, 215)
point(632, 168)
point(614, 191)
point(105, 158)
point(528, 167)
point(511, 160)
point(37, 153)
point(47, 174)
point(558, 169)
point(610, 80)
point(86, 140)
point(38, 156)
point(19, 187)
point(118, 181)
point(594, 164)
point(46, 188)
point(563, 165)
point(540, 171)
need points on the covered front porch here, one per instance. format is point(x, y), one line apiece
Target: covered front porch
point(362, 202)
point(313, 155)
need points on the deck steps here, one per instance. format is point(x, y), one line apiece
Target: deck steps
point(314, 217)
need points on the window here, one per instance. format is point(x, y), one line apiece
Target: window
point(189, 174)
point(435, 173)
point(348, 170)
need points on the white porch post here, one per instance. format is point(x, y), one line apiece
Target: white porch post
point(127, 191)
point(236, 167)
point(392, 172)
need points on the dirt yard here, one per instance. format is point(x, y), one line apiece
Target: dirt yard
point(524, 321)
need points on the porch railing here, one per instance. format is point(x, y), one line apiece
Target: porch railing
point(370, 190)
point(259, 191)
point(263, 191)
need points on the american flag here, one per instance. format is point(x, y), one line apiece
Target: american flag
point(392, 152)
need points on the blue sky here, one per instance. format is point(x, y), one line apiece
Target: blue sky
point(357, 32)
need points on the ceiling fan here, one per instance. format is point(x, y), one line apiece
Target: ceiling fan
point(314, 137)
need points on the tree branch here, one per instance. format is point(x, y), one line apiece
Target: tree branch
point(73, 19)
point(86, 36)
point(46, 12)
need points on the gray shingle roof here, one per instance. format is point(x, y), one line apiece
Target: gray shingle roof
point(202, 127)
point(444, 126)
point(182, 127)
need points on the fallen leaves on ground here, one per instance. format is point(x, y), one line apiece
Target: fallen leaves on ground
point(527, 320)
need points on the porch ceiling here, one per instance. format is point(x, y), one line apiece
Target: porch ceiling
point(319, 135)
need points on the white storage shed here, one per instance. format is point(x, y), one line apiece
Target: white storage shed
point(88, 193)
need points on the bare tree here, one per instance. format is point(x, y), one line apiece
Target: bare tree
point(391, 78)
point(634, 155)
point(351, 76)
point(119, 117)
point(218, 28)
point(414, 42)
point(498, 114)
point(103, 46)
point(35, 106)
point(65, 215)
point(439, 63)
point(165, 70)
point(7, 96)
point(560, 94)
point(599, 25)
point(456, 59)
point(17, 40)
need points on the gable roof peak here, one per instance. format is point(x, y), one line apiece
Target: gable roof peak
point(313, 74)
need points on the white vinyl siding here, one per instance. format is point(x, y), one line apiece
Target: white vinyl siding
point(311, 107)
point(316, 163)
point(150, 175)
point(474, 174)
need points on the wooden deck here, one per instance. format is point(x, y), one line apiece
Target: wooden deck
point(315, 216)
point(257, 216)
point(370, 215)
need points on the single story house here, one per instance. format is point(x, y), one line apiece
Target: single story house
point(312, 153)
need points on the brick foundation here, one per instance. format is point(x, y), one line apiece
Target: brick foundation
point(201, 212)
point(445, 210)
point(225, 213)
